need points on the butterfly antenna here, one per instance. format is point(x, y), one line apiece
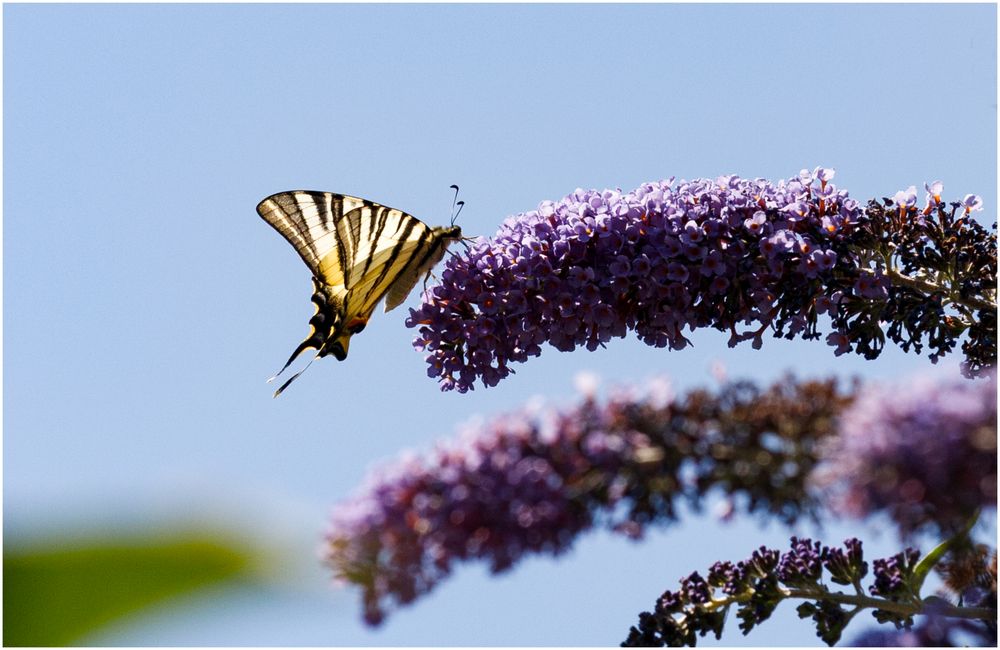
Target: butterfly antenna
point(460, 204)
point(453, 199)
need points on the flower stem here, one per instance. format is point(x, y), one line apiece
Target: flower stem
point(929, 287)
point(867, 602)
point(954, 611)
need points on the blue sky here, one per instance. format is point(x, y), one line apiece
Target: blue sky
point(145, 302)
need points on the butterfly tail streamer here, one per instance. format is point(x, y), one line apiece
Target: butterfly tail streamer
point(303, 346)
point(294, 377)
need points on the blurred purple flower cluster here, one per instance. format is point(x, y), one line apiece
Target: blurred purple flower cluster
point(932, 632)
point(531, 481)
point(924, 451)
point(659, 259)
point(511, 487)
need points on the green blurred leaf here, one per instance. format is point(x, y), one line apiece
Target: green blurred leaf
point(931, 559)
point(54, 592)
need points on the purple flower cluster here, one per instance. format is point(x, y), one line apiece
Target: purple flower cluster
point(924, 451)
point(658, 260)
point(970, 576)
point(943, 266)
point(893, 575)
point(496, 493)
point(846, 566)
point(737, 255)
point(755, 587)
point(531, 481)
point(803, 565)
point(894, 581)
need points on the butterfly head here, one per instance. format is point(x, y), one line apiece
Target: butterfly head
point(449, 232)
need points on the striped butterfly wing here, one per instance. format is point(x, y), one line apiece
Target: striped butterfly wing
point(345, 241)
point(359, 252)
point(309, 222)
point(396, 263)
point(314, 224)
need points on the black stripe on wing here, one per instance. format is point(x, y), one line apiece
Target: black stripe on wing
point(390, 265)
point(285, 212)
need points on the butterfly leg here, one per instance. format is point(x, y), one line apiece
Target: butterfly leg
point(430, 274)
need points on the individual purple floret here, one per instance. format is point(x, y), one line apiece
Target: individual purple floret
point(923, 450)
point(906, 198)
point(657, 260)
point(972, 203)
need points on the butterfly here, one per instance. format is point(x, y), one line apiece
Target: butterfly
point(359, 252)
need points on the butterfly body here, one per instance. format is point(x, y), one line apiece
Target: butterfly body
point(359, 252)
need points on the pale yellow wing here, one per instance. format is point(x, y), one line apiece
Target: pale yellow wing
point(313, 223)
point(358, 251)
